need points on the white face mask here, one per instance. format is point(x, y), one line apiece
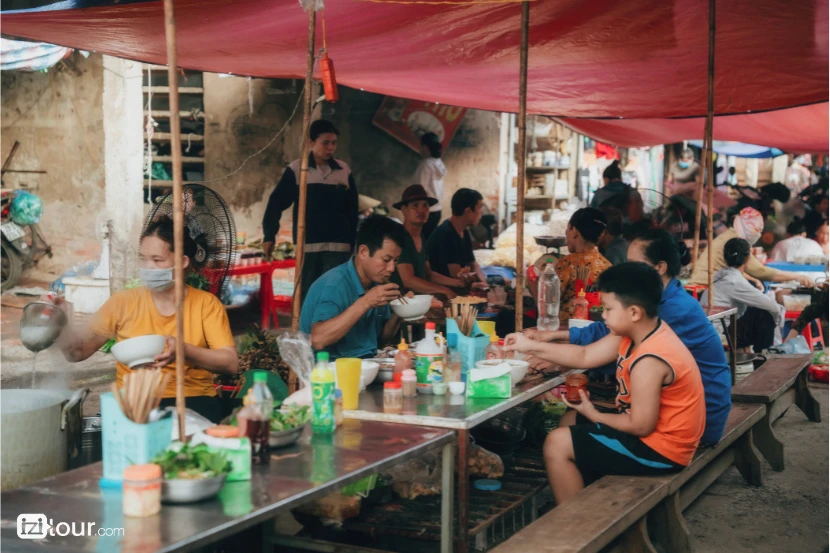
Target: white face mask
point(156, 280)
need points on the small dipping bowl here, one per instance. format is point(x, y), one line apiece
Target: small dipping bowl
point(457, 388)
point(439, 388)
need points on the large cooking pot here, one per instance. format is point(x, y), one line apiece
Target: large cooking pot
point(40, 430)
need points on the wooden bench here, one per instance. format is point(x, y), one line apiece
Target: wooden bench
point(612, 513)
point(777, 384)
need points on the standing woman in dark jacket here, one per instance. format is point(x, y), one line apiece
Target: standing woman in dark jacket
point(331, 208)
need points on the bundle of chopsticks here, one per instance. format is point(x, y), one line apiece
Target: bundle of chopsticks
point(583, 273)
point(464, 315)
point(141, 393)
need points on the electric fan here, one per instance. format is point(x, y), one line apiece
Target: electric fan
point(210, 224)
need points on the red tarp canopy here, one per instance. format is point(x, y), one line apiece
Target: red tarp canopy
point(801, 129)
point(605, 58)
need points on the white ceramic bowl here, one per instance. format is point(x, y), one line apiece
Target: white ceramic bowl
point(368, 372)
point(518, 368)
point(413, 309)
point(139, 351)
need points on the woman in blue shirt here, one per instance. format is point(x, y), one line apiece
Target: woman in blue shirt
point(686, 318)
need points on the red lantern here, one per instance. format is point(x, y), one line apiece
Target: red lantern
point(329, 81)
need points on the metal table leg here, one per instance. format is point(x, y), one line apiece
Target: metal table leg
point(732, 340)
point(463, 491)
point(447, 515)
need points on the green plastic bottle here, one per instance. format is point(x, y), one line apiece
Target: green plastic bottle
point(322, 396)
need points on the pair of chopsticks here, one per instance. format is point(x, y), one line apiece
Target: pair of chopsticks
point(400, 296)
point(141, 393)
point(464, 315)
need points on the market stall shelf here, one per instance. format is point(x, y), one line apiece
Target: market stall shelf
point(298, 474)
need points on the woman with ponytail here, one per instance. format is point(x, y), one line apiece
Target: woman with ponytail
point(686, 318)
point(759, 316)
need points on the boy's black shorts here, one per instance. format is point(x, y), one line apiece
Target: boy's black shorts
point(600, 450)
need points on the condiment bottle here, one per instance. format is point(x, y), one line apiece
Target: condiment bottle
point(494, 351)
point(429, 358)
point(392, 397)
point(580, 309)
point(322, 396)
point(255, 418)
point(409, 383)
point(141, 496)
point(403, 359)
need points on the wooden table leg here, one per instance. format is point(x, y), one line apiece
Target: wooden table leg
point(670, 528)
point(805, 400)
point(633, 540)
point(767, 443)
point(447, 493)
point(463, 491)
point(747, 461)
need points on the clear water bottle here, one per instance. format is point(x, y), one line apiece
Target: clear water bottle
point(549, 292)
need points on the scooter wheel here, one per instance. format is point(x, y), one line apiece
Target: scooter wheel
point(12, 267)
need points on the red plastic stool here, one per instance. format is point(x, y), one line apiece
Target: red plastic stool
point(695, 290)
point(808, 334)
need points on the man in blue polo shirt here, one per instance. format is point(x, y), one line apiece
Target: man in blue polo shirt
point(346, 311)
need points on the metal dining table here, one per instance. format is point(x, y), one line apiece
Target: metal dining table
point(313, 468)
point(456, 413)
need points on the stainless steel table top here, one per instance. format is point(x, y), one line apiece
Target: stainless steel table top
point(310, 469)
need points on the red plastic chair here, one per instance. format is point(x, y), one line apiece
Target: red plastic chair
point(808, 330)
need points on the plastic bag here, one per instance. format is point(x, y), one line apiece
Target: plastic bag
point(296, 351)
point(484, 463)
point(417, 477)
point(26, 209)
point(792, 346)
point(193, 422)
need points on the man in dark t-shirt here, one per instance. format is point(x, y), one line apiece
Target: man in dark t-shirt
point(450, 248)
point(413, 271)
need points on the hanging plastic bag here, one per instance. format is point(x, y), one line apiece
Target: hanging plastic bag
point(296, 351)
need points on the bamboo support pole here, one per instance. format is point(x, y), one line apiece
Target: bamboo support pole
point(178, 215)
point(710, 123)
point(303, 186)
point(521, 162)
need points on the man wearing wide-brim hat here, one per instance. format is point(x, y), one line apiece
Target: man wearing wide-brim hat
point(413, 271)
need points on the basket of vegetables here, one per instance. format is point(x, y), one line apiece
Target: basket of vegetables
point(191, 473)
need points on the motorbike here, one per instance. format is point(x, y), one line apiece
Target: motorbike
point(22, 245)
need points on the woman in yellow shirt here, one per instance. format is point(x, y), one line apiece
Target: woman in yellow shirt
point(583, 232)
point(209, 347)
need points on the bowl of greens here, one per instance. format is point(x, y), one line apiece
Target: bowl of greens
point(191, 473)
point(287, 424)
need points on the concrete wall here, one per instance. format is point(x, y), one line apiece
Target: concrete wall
point(58, 119)
point(382, 166)
point(39, 110)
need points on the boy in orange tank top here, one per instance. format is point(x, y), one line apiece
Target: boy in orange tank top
point(660, 402)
